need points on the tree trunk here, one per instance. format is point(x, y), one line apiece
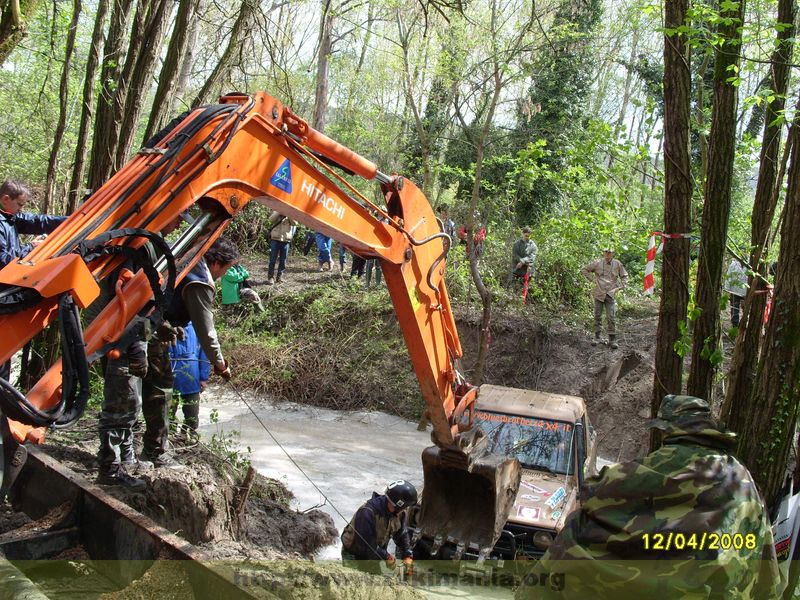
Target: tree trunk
point(323, 58)
point(161, 111)
point(188, 60)
point(626, 95)
point(241, 29)
point(768, 435)
point(706, 354)
point(736, 411)
point(63, 98)
point(103, 147)
point(14, 24)
point(700, 116)
point(77, 188)
point(140, 75)
point(483, 291)
point(677, 210)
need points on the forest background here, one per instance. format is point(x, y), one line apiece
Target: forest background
point(596, 122)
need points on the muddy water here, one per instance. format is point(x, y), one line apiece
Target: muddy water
point(347, 455)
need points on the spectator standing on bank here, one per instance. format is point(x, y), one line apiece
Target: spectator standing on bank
point(523, 259)
point(342, 257)
point(609, 276)
point(736, 286)
point(310, 240)
point(357, 268)
point(448, 225)
point(280, 236)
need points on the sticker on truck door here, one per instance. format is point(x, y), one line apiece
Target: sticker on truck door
point(556, 498)
point(526, 512)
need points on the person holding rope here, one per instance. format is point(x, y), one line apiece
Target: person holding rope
point(381, 518)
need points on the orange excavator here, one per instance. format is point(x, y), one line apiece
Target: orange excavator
point(207, 165)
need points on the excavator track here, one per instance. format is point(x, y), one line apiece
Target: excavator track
point(121, 543)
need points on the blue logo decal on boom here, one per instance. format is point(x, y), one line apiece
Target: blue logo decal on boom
point(283, 177)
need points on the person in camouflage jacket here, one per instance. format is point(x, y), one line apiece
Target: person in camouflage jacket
point(685, 521)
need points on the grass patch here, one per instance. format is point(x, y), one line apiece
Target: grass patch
point(333, 346)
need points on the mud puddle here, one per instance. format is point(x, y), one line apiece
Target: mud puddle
point(347, 455)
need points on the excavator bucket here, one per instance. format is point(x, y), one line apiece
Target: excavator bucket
point(466, 499)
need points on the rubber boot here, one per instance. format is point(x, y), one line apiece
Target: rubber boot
point(596, 339)
point(612, 341)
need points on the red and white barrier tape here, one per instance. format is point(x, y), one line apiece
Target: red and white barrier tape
point(652, 252)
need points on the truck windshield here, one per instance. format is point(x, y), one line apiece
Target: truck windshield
point(541, 444)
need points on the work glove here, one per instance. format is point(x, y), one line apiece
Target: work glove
point(222, 369)
point(137, 360)
point(408, 566)
point(169, 334)
point(390, 561)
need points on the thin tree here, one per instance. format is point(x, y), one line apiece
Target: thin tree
point(426, 139)
point(76, 186)
point(716, 208)
point(324, 51)
point(138, 72)
point(736, 410)
point(767, 435)
point(677, 207)
point(103, 147)
point(169, 76)
point(63, 97)
point(241, 29)
point(501, 70)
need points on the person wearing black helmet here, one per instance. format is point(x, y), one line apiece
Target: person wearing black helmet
point(381, 518)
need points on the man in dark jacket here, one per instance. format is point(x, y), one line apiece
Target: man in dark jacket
point(381, 518)
point(193, 301)
point(13, 198)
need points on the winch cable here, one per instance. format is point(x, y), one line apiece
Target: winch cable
point(286, 452)
point(294, 462)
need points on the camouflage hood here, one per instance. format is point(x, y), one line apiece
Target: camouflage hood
point(686, 419)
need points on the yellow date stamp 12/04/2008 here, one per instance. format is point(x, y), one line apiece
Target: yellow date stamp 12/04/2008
point(676, 540)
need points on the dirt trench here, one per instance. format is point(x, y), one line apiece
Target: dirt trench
point(616, 384)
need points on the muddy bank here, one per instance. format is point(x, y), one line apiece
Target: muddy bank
point(207, 504)
point(616, 384)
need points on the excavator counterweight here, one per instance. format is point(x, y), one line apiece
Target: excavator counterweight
point(213, 163)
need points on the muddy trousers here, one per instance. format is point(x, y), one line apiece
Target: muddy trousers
point(121, 400)
point(157, 399)
point(190, 403)
point(611, 314)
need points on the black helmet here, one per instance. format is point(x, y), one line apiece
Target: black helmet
point(401, 493)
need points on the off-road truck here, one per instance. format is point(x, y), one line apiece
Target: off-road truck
point(552, 438)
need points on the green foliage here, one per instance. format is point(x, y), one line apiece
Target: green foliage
point(353, 354)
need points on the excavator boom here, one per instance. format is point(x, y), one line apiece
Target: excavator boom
point(215, 161)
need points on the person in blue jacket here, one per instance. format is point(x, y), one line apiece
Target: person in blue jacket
point(191, 368)
point(13, 198)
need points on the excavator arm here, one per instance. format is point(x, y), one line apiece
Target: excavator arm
point(210, 165)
